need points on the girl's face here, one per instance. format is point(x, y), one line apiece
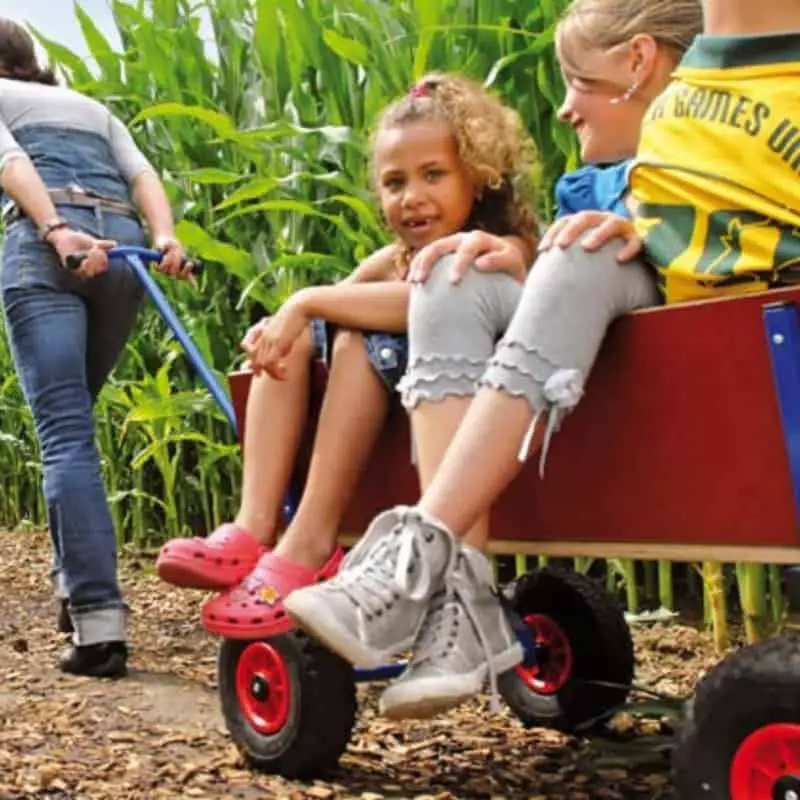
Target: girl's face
point(607, 130)
point(425, 189)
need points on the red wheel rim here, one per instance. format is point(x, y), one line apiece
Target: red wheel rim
point(554, 656)
point(263, 687)
point(763, 758)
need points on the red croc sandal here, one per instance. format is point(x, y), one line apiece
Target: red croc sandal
point(255, 610)
point(218, 562)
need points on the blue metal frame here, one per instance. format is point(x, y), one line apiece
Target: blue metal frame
point(782, 328)
point(139, 258)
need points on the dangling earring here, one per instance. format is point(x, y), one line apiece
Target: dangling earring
point(629, 93)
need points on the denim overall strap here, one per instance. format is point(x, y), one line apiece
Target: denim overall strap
point(73, 158)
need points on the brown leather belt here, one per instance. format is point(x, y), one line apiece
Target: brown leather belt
point(73, 197)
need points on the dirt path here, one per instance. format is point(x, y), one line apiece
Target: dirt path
point(159, 734)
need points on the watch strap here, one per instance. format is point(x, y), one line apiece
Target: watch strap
point(51, 225)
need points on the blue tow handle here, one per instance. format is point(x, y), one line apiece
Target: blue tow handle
point(139, 258)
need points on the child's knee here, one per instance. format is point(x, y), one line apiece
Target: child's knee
point(575, 264)
point(439, 298)
point(303, 350)
point(305, 346)
point(349, 344)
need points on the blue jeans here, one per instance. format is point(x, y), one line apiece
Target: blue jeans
point(65, 334)
point(387, 352)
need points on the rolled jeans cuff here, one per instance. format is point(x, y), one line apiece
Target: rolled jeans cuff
point(59, 585)
point(99, 625)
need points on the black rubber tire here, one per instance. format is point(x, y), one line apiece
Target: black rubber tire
point(756, 686)
point(601, 644)
point(321, 716)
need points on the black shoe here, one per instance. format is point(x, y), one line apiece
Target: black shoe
point(103, 660)
point(64, 623)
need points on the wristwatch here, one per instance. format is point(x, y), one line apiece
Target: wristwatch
point(46, 228)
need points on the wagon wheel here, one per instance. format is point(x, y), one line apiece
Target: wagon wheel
point(288, 703)
point(584, 658)
point(741, 738)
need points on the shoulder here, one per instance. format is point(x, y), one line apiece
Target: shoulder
point(30, 93)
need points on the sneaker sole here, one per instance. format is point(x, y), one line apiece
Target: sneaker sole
point(420, 704)
point(312, 617)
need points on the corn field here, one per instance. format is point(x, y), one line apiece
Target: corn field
point(260, 136)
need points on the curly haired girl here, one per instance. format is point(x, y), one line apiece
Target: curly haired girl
point(446, 157)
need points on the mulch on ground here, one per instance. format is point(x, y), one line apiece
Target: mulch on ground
point(159, 733)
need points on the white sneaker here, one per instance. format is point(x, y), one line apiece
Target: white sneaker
point(465, 638)
point(373, 608)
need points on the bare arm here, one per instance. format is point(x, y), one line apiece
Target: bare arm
point(25, 187)
point(363, 306)
point(379, 266)
point(153, 204)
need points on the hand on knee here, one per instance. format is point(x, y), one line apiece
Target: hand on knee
point(473, 250)
point(279, 366)
point(593, 230)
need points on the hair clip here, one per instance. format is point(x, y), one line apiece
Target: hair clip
point(420, 90)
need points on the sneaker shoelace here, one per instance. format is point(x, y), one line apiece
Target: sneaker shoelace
point(388, 569)
point(561, 391)
point(440, 631)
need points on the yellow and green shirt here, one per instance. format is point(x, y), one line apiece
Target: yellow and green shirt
point(716, 180)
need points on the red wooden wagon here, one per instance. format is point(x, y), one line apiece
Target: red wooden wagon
point(686, 447)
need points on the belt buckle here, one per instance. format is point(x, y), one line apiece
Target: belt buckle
point(74, 190)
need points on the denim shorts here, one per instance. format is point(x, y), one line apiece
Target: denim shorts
point(387, 352)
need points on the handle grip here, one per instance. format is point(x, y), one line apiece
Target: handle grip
point(74, 260)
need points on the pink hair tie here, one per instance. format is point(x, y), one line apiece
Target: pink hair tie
point(420, 90)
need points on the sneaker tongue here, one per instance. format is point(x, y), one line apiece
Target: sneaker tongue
point(437, 630)
point(474, 570)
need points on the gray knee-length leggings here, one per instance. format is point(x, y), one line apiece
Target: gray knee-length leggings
point(537, 341)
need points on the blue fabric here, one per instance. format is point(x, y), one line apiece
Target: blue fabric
point(593, 188)
point(73, 158)
point(65, 334)
point(386, 352)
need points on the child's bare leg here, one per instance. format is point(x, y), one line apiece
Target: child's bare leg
point(495, 424)
point(276, 416)
point(452, 334)
point(409, 556)
point(434, 593)
point(351, 419)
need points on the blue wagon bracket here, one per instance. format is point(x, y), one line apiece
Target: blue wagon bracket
point(782, 330)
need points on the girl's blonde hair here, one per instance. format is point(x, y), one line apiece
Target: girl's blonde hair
point(609, 24)
point(492, 141)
